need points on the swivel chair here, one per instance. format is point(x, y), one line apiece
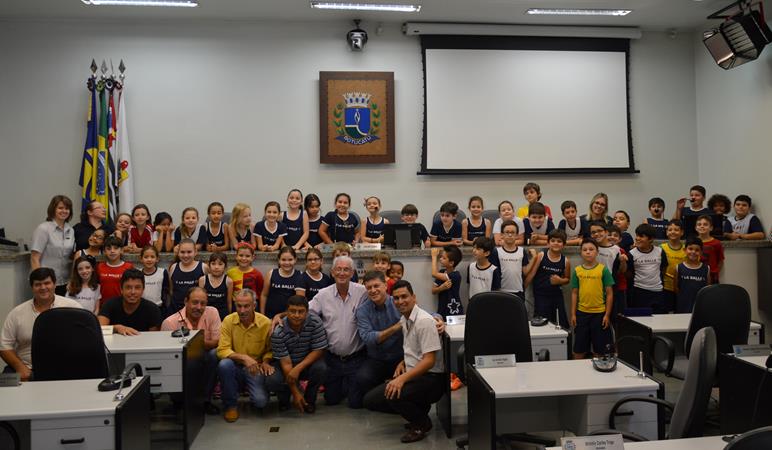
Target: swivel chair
point(67, 344)
point(688, 413)
point(724, 307)
point(497, 324)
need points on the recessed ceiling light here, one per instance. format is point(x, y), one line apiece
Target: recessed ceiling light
point(578, 12)
point(365, 7)
point(167, 3)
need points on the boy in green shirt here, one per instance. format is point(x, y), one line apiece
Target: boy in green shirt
point(592, 298)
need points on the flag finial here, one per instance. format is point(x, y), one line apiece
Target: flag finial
point(93, 66)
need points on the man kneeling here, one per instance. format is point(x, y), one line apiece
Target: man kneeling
point(298, 344)
point(418, 380)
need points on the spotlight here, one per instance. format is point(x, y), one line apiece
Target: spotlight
point(740, 38)
point(357, 38)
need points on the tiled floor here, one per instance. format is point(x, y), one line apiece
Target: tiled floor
point(334, 428)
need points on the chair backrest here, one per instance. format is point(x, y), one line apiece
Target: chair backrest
point(752, 440)
point(688, 419)
point(392, 215)
point(436, 217)
point(497, 324)
point(491, 214)
point(67, 344)
point(726, 308)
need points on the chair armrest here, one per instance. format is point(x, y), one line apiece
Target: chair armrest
point(626, 435)
point(670, 348)
point(543, 355)
point(461, 364)
point(612, 415)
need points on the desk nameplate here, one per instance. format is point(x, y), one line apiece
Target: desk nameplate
point(603, 442)
point(752, 350)
point(491, 361)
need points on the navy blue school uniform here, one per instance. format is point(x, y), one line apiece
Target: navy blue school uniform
point(660, 227)
point(294, 228)
point(280, 290)
point(547, 226)
point(626, 241)
point(424, 235)
point(215, 238)
point(199, 236)
point(340, 229)
point(182, 282)
point(571, 233)
point(246, 237)
point(217, 296)
point(473, 232)
point(548, 297)
point(313, 286)
point(690, 281)
point(442, 235)
point(449, 301)
point(374, 230)
point(270, 237)
point(688, 211)
point(313, 232)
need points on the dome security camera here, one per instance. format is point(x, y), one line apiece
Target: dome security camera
point(357, 38)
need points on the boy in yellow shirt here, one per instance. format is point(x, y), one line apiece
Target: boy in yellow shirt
point(592, 299)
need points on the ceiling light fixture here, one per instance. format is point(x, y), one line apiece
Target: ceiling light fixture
point(365, 7)
point(166, 3)
point(578, 12)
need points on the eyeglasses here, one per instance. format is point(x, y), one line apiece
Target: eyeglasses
point(343, 269)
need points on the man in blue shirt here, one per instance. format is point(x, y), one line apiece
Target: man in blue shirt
point(298, 344)
point(379, 328)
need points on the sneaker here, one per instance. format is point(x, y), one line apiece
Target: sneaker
point(455, 382)
point(310, 408)
point(231, 415)
point(217, 391)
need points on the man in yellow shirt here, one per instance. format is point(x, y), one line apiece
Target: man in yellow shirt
point(245, 355)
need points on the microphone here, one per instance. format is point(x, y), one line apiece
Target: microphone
point(120, 381)
point(182, 331)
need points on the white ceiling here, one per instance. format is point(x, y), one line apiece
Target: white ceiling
point(648, 14)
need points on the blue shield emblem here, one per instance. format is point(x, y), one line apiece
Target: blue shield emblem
point(357, 122)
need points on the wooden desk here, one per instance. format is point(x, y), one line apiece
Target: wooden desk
point(174, 366)
point(555, 395)
point(73, 414)
point(703, 443)
point(743, 380)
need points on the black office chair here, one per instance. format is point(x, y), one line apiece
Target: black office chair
point(436, 217)
point(497, 324)
point(760, 438)
point(724, 307)
point(67, 344)
point(688, 413)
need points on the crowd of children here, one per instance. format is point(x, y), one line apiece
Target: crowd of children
point(617, 270)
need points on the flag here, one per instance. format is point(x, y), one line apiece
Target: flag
point(87, 179)
point(112, 178)
point(102, 168)
point(123, 159)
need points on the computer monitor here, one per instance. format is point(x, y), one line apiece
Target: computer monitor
point(402, 235)
point(690, 222)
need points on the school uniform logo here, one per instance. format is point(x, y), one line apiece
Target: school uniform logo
point(358, 119)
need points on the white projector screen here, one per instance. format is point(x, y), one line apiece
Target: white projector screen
point(526, 110)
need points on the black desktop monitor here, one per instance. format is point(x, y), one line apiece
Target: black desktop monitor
point(690, 222)
point(402, 235)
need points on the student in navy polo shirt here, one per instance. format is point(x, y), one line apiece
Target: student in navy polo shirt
point(447, 230)
point(340, 225)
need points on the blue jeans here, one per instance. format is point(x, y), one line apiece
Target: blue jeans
point(373, 372)
point(233, 376)
point(315, 374)
point(341, 379)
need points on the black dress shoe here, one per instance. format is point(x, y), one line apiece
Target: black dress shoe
point(211, 409)
point(414, 435)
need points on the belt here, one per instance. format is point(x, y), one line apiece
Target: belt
point(354, 355)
